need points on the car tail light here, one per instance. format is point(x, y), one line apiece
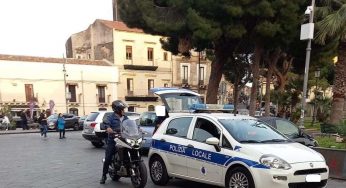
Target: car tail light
point(93, 125)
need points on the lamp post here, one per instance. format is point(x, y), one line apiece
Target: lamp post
point(307, 33)
point(65, 75)
point(317, 75)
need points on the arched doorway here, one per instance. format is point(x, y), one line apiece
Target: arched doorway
point(74, 111)
point(151, 108)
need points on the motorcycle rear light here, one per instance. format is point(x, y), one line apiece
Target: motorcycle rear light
point(93, 125)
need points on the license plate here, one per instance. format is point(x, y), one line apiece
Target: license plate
point(313, 178)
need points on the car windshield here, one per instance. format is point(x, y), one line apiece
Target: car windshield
point(179, 102)
point(287, 128)
point(252, 131)
point(92, 116)
point(130, 128)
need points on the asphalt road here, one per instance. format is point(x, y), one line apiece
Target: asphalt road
point(30, 161)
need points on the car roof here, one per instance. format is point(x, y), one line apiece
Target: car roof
point(217, 116)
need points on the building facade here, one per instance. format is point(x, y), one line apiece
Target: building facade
point(39, 82)
point(141, 61)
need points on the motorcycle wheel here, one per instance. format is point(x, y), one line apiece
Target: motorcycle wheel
point(112, 170)
point(140, 180)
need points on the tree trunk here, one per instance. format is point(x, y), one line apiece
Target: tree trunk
point(255, 72)
point(267, 96)
point(221, 56)
point(339, 86)
point(236, 95)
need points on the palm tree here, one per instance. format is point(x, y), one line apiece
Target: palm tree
point(332, 26)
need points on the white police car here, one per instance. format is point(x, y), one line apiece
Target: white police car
point(231, 151)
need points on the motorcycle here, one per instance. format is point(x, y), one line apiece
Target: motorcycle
point(127, 161)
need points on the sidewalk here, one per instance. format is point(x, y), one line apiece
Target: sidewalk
point(19, 131)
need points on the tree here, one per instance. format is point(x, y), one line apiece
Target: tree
point(238, 73)
point(192, 24)
point(333, 25)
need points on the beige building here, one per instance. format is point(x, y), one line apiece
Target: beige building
point(91, 85)
point(141, 61)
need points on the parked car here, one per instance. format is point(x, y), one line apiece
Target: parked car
point(71, 121)
point(147, 122)
point(290, 130)
point(81, 121)
point(91, 127)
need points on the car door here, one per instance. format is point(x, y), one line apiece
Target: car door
point(204, 161)
point(173, 142)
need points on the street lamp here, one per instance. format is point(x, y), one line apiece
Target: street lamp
point(66, 94)
point(307, 33)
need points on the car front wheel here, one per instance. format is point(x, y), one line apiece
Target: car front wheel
point(97, 144)
point(158, 171)
point(239, 177)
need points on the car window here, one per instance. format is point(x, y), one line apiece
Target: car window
point(252, 131)
point(92, 116)
point(147, 119)
point(179, 127)
point(226, 143)
point(51, 117)
point(205, 129)
point(287, 128)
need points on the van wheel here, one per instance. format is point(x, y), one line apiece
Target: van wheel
point(97, 144)
point(239, 177)
point(158, 171)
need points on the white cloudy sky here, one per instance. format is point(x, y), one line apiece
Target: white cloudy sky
point(41, 27)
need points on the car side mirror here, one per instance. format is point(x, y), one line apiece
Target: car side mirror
point(214, 142)
point(171, 131)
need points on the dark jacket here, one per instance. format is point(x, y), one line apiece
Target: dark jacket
point(23, 117)
point(113, 121)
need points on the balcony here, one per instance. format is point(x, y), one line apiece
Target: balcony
point(139, 96)
point(140, 64)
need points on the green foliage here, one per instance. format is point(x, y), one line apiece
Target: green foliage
point(342, 128)
point(329, 142)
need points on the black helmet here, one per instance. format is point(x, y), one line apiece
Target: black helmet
point(118, 106)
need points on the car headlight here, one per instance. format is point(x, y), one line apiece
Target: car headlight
point(273, 161)
point(139, 140)
point(130, 142)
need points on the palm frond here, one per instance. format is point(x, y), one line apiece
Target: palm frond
point(330, 26)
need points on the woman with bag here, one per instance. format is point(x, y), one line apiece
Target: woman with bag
point(61, 126)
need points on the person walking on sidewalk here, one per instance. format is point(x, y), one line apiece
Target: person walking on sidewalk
point(61, 126)
point(43, 124)
point(24, 120)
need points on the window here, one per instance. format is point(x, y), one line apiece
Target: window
point(72, 90)
point(165, 85)
point(101, 94)
point(226, 143)
point(287, 128)
point(89, 56)
point(150, 54)
point(150, 84)
point(205, 129)
point(179, 127)
point(131, 108)
point(185, 75)
point(102, 109)
point(165, 56)
point(129, 52)
point(201, 77)
point(151, 108)
point(130, 86)
point(73, 111)
point(29, 92)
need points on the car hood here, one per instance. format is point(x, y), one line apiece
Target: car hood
point(291, 152)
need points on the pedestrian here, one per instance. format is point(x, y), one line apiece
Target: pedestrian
point(43, 124)
point(5, 121)
point(112, 124)
point(61, 126)
point(24, 121)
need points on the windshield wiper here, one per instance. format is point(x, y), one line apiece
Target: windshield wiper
point(274, 140)
point(249, 141)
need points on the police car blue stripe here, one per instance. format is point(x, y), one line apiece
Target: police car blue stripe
point(207, 156)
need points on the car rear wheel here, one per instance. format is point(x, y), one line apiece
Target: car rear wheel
point(98, 144)
point(158, 171)
point(76, 127)
point(239, 177)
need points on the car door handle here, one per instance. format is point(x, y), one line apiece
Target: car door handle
point(190, 146)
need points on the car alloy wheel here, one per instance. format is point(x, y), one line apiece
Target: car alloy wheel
point(156, 170)
point(238, 180)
